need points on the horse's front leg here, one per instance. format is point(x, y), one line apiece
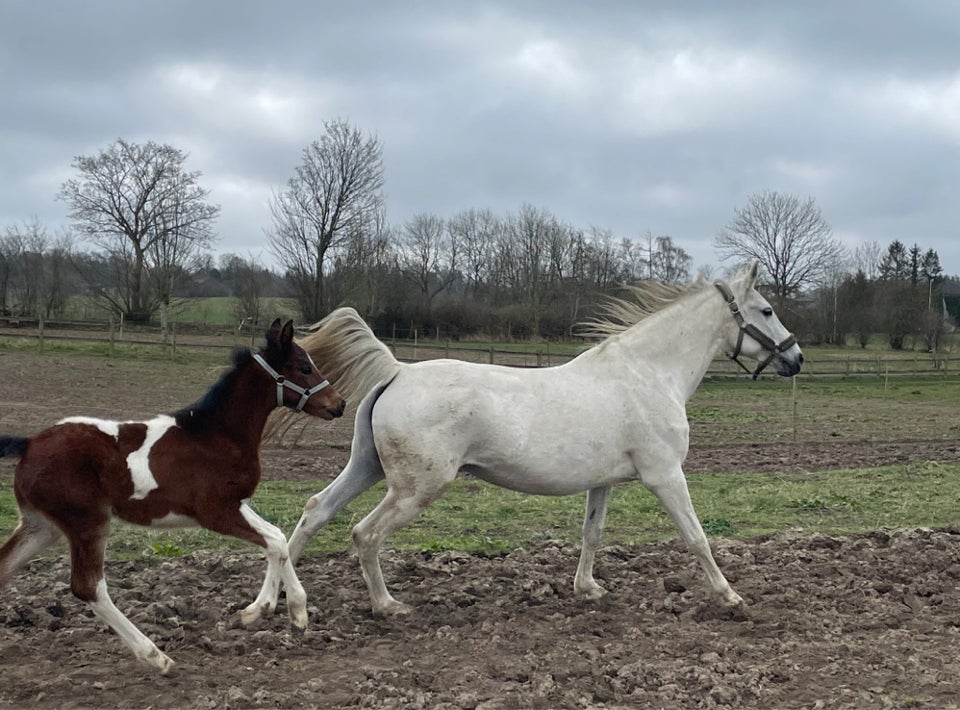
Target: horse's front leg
point(584, 584)
point(245, 524)
point(670, 488)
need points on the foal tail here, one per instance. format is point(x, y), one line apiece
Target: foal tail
point(348, 354)
point(13, 446)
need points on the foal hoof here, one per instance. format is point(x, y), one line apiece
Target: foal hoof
point(158, 660)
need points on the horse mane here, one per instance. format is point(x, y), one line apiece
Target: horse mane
point(643, 300)
point(348, 353)
point(201, 414)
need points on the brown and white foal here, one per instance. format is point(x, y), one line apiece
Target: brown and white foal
point(194, 467)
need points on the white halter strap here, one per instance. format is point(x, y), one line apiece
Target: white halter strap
point(284, 382)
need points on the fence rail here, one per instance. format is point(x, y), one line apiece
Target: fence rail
point(816, 364)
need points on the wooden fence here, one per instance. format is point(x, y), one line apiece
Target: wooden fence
point(817, 364)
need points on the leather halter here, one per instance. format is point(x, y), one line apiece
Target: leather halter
point(284, 382)
point(763, 340)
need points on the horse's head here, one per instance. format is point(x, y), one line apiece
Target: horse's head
point(755, 331)
point(300, 385)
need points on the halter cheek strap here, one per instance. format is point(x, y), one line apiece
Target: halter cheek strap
point(764, 340)
point(284, 382)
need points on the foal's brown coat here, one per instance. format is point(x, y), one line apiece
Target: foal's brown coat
point(202, 464)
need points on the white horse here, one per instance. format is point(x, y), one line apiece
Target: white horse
point(615, 413)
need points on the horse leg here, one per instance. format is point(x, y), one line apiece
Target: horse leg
point(399, 506)
point(584, 584)
point(358, 475)
point(247, 525)
point(87, 584)
point(33, 535)
point(671, 491)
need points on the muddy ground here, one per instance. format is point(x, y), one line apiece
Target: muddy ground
point(861, 621)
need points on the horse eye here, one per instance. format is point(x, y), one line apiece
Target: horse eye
point(306, 369)
point(767, 311)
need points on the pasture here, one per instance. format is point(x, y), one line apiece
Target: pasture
point(833, 507)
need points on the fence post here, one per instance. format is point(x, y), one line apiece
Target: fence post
point(40, 330)
point(111, 336)
point(173, 341)
point(491, 354)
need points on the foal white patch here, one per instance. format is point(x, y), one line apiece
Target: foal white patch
point(105, 425)
point(139, 461)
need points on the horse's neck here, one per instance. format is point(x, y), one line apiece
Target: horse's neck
point(247, 406)
point(680, 340)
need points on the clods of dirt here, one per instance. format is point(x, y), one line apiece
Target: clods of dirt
point(855, 621)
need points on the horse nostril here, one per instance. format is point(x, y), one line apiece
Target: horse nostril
point(800, 359)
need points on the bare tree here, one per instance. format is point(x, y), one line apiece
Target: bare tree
point(669, 262)
point(866, 258)
point(476, 232)
point(428, 254)
point(787, 235)
point(334, 191)
point(140, 206)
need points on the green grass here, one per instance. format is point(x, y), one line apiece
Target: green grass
point(477, 517)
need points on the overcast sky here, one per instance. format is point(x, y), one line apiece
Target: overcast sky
point(659, 117)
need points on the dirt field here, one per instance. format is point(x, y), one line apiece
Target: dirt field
point(867, 621)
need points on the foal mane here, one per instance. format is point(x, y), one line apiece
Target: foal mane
point(205, 411)
point(644, 299)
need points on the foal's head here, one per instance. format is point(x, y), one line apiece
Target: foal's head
point(300, 385)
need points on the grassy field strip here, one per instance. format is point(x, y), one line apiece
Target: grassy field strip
point(477, 517)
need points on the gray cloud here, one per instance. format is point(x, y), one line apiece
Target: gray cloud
point(630, 116)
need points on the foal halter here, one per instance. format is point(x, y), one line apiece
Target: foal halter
point(764, 340)
point(284, 382)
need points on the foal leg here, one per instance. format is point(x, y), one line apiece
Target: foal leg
point(33, 535)
point(87, 584)
point(247, 525)
point(398, 507)
point(671, 490)
point(583, 583)
point(358, 475)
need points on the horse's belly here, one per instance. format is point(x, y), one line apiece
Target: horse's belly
point(561, 480)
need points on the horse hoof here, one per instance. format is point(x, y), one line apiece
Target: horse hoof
point(298, 620)
point(733, 600)
point(252, 613)
point(592, 594)
point(158, 660)
point(394, 608)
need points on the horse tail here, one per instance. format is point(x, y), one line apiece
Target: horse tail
point(13, 446)
point(363, 446)
point(349, 354)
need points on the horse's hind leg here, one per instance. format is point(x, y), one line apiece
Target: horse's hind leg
point(399, 506)
point(360, 474)
point(584, 584)
point(87, 545)
point(33, 535)
point(671, 490)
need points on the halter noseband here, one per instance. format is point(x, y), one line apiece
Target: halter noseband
point(284, 382)
point(764, 340)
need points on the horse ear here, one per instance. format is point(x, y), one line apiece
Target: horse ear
point(753, 273)
point(286, 335)
point(274, 334)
